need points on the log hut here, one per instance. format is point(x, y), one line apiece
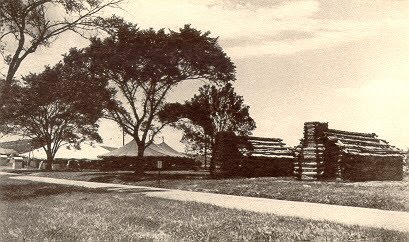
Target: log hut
point(251, 156)
point(334, 154)
point(268, 157)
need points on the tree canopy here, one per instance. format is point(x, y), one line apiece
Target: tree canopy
point(26, 25)
point(56, 106)
point(143, 66)
point(215, 109)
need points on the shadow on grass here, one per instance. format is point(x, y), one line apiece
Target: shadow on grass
point(15, 191)
point(130, 177)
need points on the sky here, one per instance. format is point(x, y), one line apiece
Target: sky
point(343, 62)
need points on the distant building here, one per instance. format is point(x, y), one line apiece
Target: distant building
point(334, 154)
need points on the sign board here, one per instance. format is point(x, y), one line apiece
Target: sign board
point(159, 164)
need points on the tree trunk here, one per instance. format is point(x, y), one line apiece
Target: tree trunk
point(212, 161)
point(48, 164)
point(205, 156)
point(141, 149)
point(50, 158)
point(140, 161)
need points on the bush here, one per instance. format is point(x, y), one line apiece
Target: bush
point(148, 163)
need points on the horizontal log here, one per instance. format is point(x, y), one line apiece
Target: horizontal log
point(250, 138)
point(280, 150)
point(313, 149)
point(274, 156)
point(265, 142)
point(346, 136)
point(375, 154)
point(310, 166)
point(312, 152)
point(304, 169)
point(363, 143)
point(312, 163)
point(309, 150)
point(313, 145)
point(309, 173)
point(311, 157)
point(373, 135)
point(270, 148)
point(367, 149)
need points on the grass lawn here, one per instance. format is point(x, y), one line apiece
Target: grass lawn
point(388, 195)
point(39, 211)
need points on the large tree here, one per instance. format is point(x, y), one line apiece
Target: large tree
point(57, 107)
point(26, 25)
point(215, 109)
point(143, 66)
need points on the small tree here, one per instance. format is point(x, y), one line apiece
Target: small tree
point(143, 66)
point(56, 106)
point(214, 109)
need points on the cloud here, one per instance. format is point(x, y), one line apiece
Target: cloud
point(379, 105)
point(226, 18)
point(252, 28)
point(284, 36)
point(284, 46)
point(386, 90)
point(380, 100)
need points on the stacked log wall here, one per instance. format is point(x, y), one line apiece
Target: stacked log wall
point(370, 168)
point(310, 154)
point(268, 157)
point(332, 159)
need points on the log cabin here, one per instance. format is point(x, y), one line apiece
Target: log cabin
point(252, 156)
point(330, 154)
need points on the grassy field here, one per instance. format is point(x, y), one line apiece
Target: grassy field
point(38, 211)
point(388, 195)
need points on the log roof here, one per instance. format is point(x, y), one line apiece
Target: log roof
point(268, 147)
point(367, 144)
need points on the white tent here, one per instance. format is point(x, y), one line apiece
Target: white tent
point(131, 150)
point(88, 151)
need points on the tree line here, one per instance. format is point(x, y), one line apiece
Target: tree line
point(124, 77)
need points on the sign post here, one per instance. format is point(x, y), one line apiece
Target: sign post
point(159, 167)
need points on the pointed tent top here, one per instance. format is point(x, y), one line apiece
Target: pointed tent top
point(131, 150)
point(170, 150)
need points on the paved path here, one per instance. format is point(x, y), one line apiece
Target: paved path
point(367, 217)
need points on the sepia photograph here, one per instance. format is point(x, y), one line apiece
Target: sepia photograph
point(204, 120)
